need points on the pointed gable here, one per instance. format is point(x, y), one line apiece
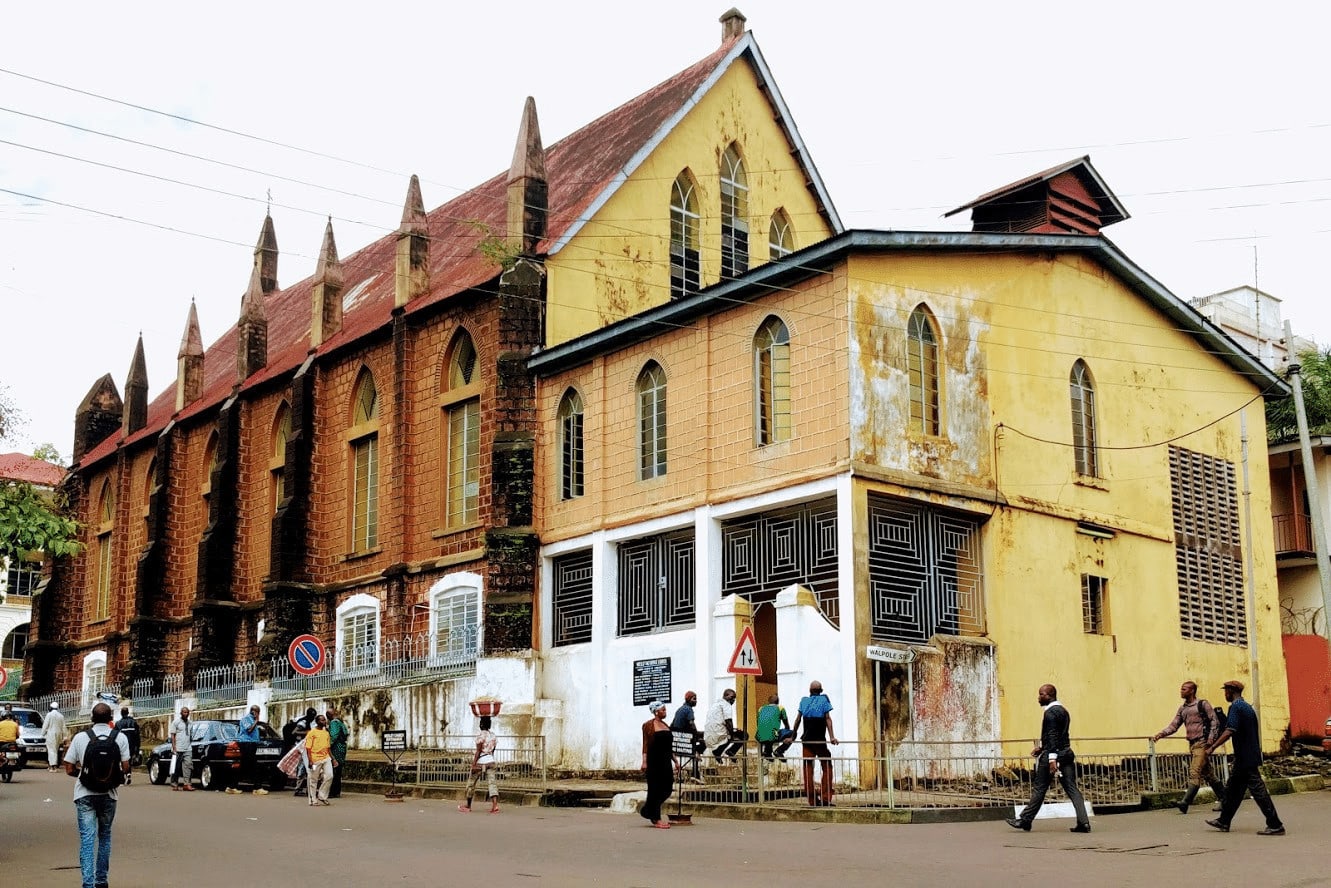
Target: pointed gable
point(1070, 198)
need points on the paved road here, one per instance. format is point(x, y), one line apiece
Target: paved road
point(207, 840)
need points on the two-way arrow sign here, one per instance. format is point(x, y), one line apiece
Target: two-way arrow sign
point(744, 661)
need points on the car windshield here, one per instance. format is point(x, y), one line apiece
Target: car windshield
point(27, 717)
point(229, 730)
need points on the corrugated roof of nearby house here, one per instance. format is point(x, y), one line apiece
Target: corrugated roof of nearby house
point(21, 467)
point(583, 169)
point(820, 257)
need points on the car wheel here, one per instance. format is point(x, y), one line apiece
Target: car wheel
point(156, 772)
point(210, 779)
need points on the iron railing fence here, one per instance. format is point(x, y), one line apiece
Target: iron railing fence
point(215, 685)
point(415, 659)
point(1111, 771)
point(153, 697)
point(445, 760)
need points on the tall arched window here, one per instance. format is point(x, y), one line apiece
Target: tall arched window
point(771, 382)
point(94, 677)
point(685, 265)
point(455, 607)
point(461, 402)
point(1082, 390)
point(363, 439)
point(922, 370)
point(570, 445)
point(278, 463)
point(357, 642)
point(149, 485)
point(780, 236)
point(209, 464)
point(651, 391)
point(106, 513)
point(734, 214)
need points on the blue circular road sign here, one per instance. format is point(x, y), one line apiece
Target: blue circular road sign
point(307, 654)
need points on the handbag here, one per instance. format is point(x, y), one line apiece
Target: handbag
point(289, 764)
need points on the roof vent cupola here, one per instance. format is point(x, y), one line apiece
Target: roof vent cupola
point(732, 25)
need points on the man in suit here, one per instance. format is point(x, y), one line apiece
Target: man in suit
point(1053, 758)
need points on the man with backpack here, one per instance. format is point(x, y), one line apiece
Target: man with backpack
point(1201, 725)
point(99, 759)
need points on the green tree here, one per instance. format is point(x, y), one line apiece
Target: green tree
point(30, 523)
point(1315, 373)
point(49, 453)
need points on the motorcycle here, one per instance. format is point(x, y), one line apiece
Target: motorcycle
point(11, 760)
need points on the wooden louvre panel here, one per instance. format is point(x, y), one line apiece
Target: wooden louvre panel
point(1207, 546)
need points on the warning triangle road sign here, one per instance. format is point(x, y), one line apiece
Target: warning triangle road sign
point(745, 659)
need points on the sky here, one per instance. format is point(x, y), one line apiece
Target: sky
point(1209, 122)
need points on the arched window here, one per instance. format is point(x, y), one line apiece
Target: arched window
point(734, 214)
point(1082, 390)
point(685, 265)
point(106, 513)
point(461, 403)
point(455, 609)
point(651, 391)
point(771, 382)
point(209, 464)
point(94, 677)
point(278, 463)
point(15, 642)
point(358, 633)
point(363, 438)
point(780, 236)
point(149, 485)
point(570, 445)
point(922, 370)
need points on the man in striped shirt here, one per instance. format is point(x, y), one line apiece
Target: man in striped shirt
point(1199, 721)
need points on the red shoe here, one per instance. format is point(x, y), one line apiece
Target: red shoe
point(661, 824)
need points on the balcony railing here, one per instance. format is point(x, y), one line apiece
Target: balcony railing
point(1293, 534)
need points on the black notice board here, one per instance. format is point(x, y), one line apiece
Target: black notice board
point(651, 681)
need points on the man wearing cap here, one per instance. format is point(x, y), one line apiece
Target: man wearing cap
point(54, 731)
point(1244, 771)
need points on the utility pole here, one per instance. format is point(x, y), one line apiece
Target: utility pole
point(1311, 487)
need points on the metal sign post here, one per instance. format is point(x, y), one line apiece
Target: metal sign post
point(393, 744)
point(878, 653)
point(744, 661)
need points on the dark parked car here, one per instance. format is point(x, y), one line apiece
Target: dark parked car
point(221, 760)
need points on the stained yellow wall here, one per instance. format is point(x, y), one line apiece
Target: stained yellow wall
point(1012, 327)
point(619, 263)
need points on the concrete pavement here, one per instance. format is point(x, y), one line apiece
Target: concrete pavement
point(212, 840)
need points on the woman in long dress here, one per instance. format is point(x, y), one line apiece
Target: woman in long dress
point(658, 761)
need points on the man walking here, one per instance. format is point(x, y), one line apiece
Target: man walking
point(1053, 758)
point(1244, 771)
point(182, 753)
point(719, 731)
point(1201, 726)
point(53, 729)
point(93, 762)
point(318, 749)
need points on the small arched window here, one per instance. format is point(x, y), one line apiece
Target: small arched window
point(651, 392)
point(94, 677)
point(734, 214)
point(771, 382)
point(209, 464)
point(363, 439)
point(922, 370)
point(1082, 390)
point(570, 445)
point(685, 264)
point(461, 403)
point(278, 463)
point(455, 607)
point(357, 640)
point(780, 236)
point(106, 513)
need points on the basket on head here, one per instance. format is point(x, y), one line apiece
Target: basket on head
point(485, 707)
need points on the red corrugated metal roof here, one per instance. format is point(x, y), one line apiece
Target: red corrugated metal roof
point(579, 167)
point(21, 467)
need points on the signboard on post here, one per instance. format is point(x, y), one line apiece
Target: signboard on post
point(744, 661)
point(888, 655)
point(394, 746)
point(307, 654)
point(651, 681)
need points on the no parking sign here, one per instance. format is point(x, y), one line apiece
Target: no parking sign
point(307, 654)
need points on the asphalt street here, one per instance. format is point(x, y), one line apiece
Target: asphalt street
point(211, 840)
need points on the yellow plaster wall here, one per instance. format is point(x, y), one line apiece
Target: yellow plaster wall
point(619, 263)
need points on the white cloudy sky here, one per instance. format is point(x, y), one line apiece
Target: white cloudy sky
point(1210, 121)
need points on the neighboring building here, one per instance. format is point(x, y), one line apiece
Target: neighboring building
point(1013, 454)
point(1251, 317)
point(20, 578)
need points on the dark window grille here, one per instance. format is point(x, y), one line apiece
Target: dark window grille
point(573, 598)
point(656, 583)
point(925, 572)
point(1207, 547)
point(1093, 604)
point(763, 554)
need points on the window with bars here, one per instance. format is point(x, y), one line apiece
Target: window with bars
point(734, 215)
point(651, 391)
point(765, 553)
point(570, 445)
point(457, 623)
point(771, 382)
point(656, 583)
point(1093, 620)
point(780, 237)
point(1082, 390)
point(922, 371)
point(685, 264)
point(364, 437)
point(1208, 550)
point(360, 639)
point(462, 408)
point(925, 572)
point(572, 602)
